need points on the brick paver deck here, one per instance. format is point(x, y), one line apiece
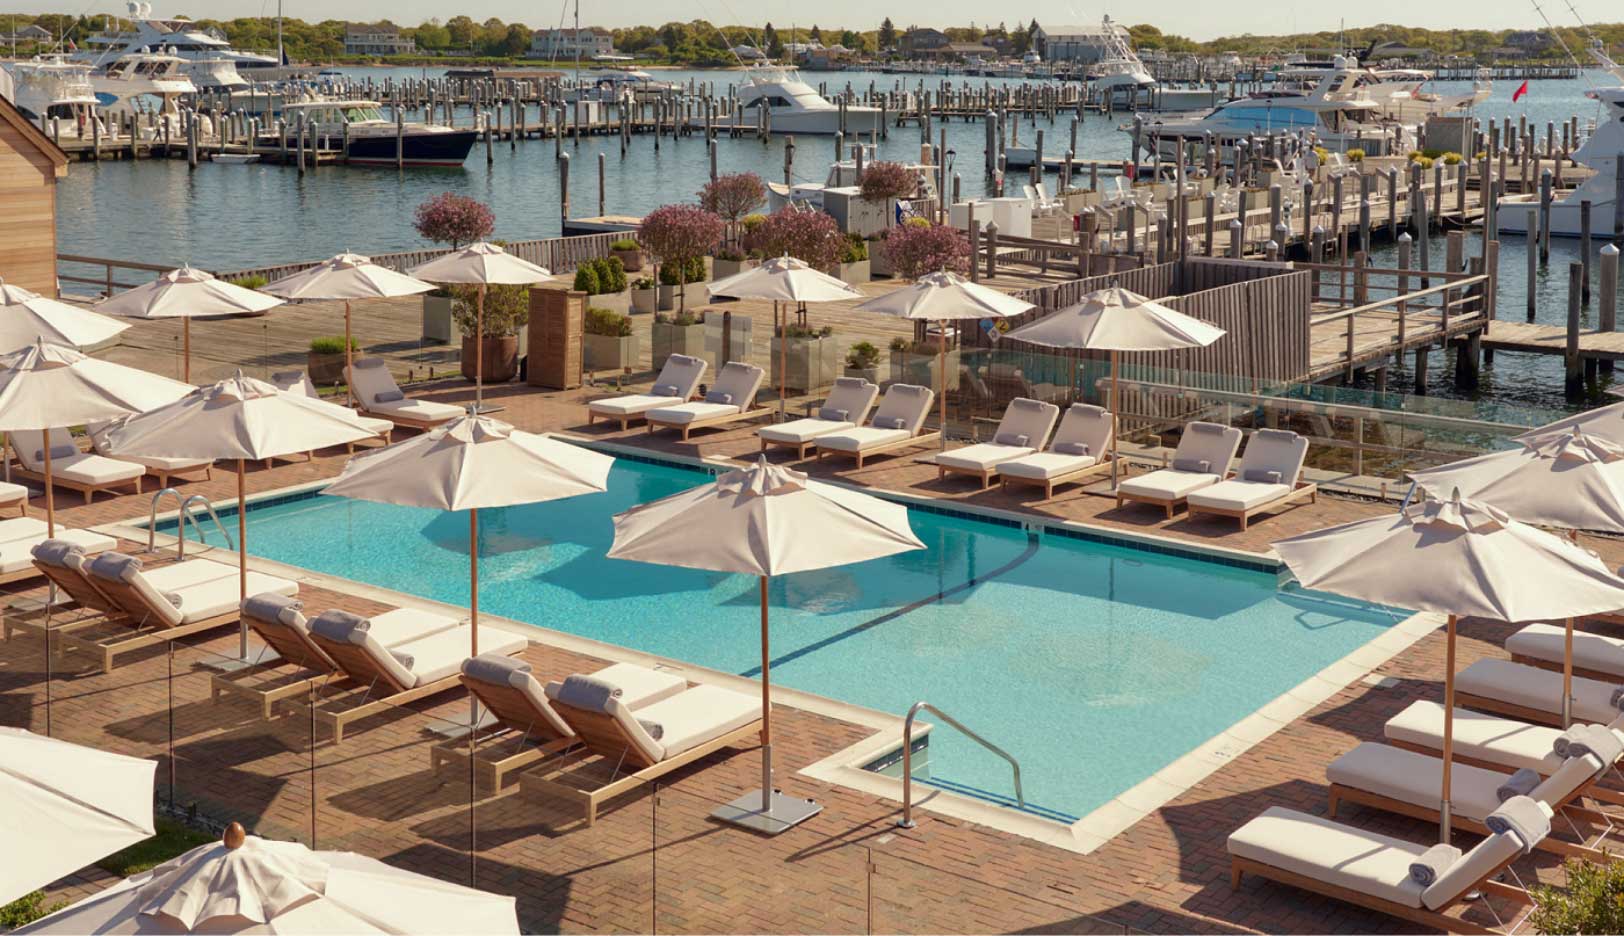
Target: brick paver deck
point(654, 861)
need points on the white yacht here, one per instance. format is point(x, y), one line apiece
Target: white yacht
point(1402, 95)
point(1119, 71)
point(793, 106)
point(209, 60)
point(614, 85)
point(843, 174)
point(48, 86)
point(1599, 152)
point(142, 82)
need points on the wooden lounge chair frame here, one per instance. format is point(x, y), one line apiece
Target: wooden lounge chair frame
point(1168, 504)
point(1508, 709)
point(290, 652)
point(1432, 919)
point(1596, 791)
point(984, 475)
point(1299, 491)
point(799, 447)
point(89, 490)
point(1103, 466)
point(92, 606)
point(602, 734)
point(126, 597)
point(352, 660)
point(722, 419)
point(1580, 671)
point(913, 440)
point(504, 749)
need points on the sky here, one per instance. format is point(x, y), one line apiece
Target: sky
point(1198, 19)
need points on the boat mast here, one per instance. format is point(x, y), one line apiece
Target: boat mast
point(577, 43)
point(281, 59)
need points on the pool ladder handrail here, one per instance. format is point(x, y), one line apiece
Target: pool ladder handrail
point(906, 821)
point(182, 515)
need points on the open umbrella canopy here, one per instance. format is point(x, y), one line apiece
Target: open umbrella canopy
point(347, 276)
point(763, 520)
point(1603, 422)
point(186, 293)
point(240, 418)
point(473, 462)
point(481, 264)
point(246, 884)
point(27, 317)
point(1116, 319)
point(48, 386)
point(945, 297)
point(1567, 479)
point(1458, 557)
point(785, 279)
point(63, 806)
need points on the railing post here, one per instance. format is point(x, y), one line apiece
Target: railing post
point(1404, 242)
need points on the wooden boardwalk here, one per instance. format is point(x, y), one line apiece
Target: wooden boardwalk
point(1529, 338)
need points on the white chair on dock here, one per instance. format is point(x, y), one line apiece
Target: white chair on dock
point(1201, 460)
point(731, 400)
point(1081, 448)
point(899, 423)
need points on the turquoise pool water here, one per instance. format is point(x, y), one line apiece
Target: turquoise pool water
point(1094, 664)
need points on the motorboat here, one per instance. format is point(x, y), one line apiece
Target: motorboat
point(842, 175)
point(1119, 71)
point(143, 83)
point(208, 57)
point(1401, 93)
point(615, 85)
point(50, 87)
point(373, 137)
point(793, 106)
point(1600, 153)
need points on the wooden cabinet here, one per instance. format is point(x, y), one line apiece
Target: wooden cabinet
point(555, 338)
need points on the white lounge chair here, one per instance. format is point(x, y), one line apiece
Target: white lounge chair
point(298, 381)
point(161, 468)
point(19, 536)
point(71, 468)
point(898, 423)
point(64, 562)
point(379, 395)
point(1595, 656)
point(677, 383)
point(1270, 477)
point(1372, 870)
point(527, 727)
point(732, 400)
point(1023, 430)
point(393, 676)
point(1533, 694)
point(1201, 460)
point(299, 662)
point(847, 407)
point(1081, 448)
point(646, 743)
point(1407, 783)
point(151, 613)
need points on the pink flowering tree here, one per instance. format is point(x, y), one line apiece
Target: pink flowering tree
point(733, 196)
point(680, 235)
point(883, 181)
point(811, 236)
point(449, 218)
point(915, 249)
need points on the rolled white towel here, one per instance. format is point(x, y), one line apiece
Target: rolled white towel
point(1617, 698)
point(1432, 864)
point(1593, 739)
point(1520, 783)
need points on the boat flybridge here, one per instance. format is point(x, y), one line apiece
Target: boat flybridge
point(208, 59)
point(1119, 70)
point(1600, 153)
point(1402, 94)
point(142, 82)
point(793, 106)
point(50, 87)
point(843, 174)
point(373, 137)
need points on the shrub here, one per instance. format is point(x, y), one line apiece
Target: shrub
point(586, 279)
point(331, 344)
point(1413, 155)
point(613, 271)
point(1425, 162)
point(733, 256)
point(900, 345)
point(811, 236)
point(680, 274)
point(1356, 155)
point(507, 309)
point(679, 235)
point(606, 322)
point(1593, 901)
point(886, 180)
point(917, 222)
point(625, 243)
point(249, 282)
point(915, 250)
point(683, 318)
point(862, 354)
point(856, 249)
point(643, 282)
point(449, 218)
point(25, 910)
point(733, 196)
point(803, 331)
point(1452, 159)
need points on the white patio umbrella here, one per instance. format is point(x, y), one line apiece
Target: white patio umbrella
point(946, 297)
point(1117, 320)
point(27, 317)
point(1566, 479)
point(48, 386)
point(64, 806)
point(348, 277)
point(1604, 422)
point(186, 294)
point(784, 279)
point(241, 419)
point(763, 520)
point(470, 463)
point(481, 265)
point(1456, 557)
point(247, 884)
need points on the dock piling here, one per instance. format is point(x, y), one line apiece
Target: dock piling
point(1573, 366)
point(1607, 315)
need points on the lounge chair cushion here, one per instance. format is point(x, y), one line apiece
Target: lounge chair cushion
point(1538, 689)
point(85, 468)
point(738, 380)
point(1042, 466)
point(633, 404)
point(1012, 439)
point(1209, 442)
point(19, 528)
point(1261, 476)
point(797, 431)
point(1238, 495)
point(717, 396)
point(586, 692)
point(1274, 450)
point(1575, 772)
point(438, 655)
point(1479, 736)
point(982, 457)
point(219, 596)
point(10, 493)
point(695, 716)
point(861, 438)
point(1089, 425)
point(830, 414)
point(904, 407)
point(665, 390)
point(890, 422)
point(635, 686)
point(18, 554)
point(426, 410)
point(1590, 651)
point(1167, 484)
point(685, 413)
point(1332, 853)
point(388, 396)
point(116, 565)
point(1416, 779)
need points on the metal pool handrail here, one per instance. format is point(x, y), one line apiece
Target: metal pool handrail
point(181, 516)
point(906, 821)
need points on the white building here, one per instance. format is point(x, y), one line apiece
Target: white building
point(586, 42)
point(376, 39)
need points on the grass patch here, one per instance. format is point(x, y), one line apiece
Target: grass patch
point(25, 910)
point(172, 839)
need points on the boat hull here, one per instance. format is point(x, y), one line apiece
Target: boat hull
point(1511, 216)
point(417, 149)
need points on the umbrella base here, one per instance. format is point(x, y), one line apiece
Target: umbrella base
point(258, 655)
point(784, 813)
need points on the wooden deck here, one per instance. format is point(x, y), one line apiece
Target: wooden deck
point(1529, 338)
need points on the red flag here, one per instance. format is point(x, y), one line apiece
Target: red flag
point(1517, 95)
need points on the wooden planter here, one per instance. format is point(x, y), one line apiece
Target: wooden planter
point(325, 369)
point(722, 269)
point(500, 359)
point(807, 363)
point(608, 352)
point(631, 260)
point(677, 339)
point(669, 296)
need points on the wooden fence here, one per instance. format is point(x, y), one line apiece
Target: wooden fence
point(558, 254)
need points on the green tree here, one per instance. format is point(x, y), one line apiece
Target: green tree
point(888, 34)
point(1021, 40)
point(517, 40)
point(771, 44)
point(851, 40)
point(816, 35)
point(461, 30)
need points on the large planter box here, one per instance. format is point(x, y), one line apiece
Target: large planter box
point(878, 264)
point(669, 296)
point(805, 364)
point(499, 360)
point(854, 273)
point(722, 269)
point(644, 300)
point(437, 319)
point(677, 339)
point(870, 374)
point(618, 301)
point(608, 353)
point(728, 337)
point(630, 260)
point(325, 369)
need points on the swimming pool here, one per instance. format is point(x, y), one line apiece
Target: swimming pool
point(1094, 664)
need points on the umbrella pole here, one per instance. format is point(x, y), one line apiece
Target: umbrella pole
point(1116, 419)
point(1567, 675)
point(473, 582)
point(186, 347)
point(766, 710)
point(349, 358)
point(242, 555)
point(479, 350)
point(50, 502)
point(783, 361)
point(941, 382)
point(1449, 730)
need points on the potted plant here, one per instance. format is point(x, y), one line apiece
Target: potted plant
point(917, 247)
point(448, 218)
point(731, 197)
point(863, 360)
point(901, 349)
point(853, 266)
point(677, 333)
point(882, 185)
point(678, 280)
point(507, 309)
point(608, 342)
point(643, 295)
point(729, 262)
point(630, 253)
point(325, 363)
point(604, 279)
point(811, 236)
point(804, 358)
point(681, 236)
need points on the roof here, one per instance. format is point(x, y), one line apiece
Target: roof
point(567, 31)
point(11, 115)
point(1092, 31)
point(371, 29)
